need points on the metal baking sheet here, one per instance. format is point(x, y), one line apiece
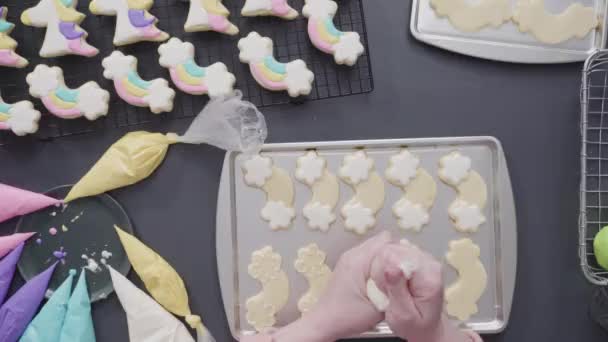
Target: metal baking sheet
point(506, 43)
point(241, 230)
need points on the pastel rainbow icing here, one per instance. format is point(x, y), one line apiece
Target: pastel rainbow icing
point(189, 77)
point(20, 117)
point(257, 51)
point(155, 94)
point(345, 46)
point(209, 15)
point(278, 8)
point(63, 36)
point(8, 57)
point(47, 84)
point(133, 21)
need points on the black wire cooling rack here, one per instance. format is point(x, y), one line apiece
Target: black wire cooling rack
point(290, 42)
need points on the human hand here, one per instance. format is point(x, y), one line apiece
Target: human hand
point(412, 280)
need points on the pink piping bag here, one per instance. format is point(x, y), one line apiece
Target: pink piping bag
point(17, 202)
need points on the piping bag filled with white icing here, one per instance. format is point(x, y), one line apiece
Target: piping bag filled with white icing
point(226, 122)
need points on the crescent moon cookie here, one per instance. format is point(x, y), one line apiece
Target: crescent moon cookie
point(312, 171)
point(20, 117)
point(209, 15)
point(360, 211)
point(63, 35)
point(295, 77)
point(346, 47)
point(8, 57)
point(266, 268)
point(576, 21)
point(189, 77)
point(277, 8)
point(88, 100)
point(471, 17)
point(155, 94)
point(462, 296)
point(419, 188)
point(311, 264)
point(260, 173)
point(466, 212)
point(133, 21)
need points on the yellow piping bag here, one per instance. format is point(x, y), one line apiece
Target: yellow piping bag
point(226, 122)
point(162, 281)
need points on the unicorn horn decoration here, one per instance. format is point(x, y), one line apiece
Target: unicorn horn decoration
point(141, 310)
point(277, 8)
point(63, 36)
point(155, 94)
point(133, 21)
point(8, 57)
point(295, 77)
point(209, 15)
point(19, 117)
point(47, 84)
point(346, 47)
point(189, 77)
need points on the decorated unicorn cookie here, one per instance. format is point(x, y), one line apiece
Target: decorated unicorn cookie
point(345, 46)
point(47, 84)
point(294, 76)
point(133, 21)
point(63, 36)
point(277, 8)
point(178, 57)
point(8, 57)
point(19, 117)
point(155, 94)
point(209, 15)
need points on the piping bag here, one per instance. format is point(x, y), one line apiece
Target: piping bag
point(16, 202)
point(226, 122)
point(141, 310)
point(162, 281)
point(7, 270)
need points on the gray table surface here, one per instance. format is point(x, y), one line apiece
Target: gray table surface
point(420, 91)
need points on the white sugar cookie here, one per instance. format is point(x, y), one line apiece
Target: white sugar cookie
point(319, 211)
point(209, 15)
point(462, 296)
point(311, 264)
point(259, 172)
point(20, 117)
point(470, 17)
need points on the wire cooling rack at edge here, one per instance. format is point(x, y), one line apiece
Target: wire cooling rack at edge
point(290, 42)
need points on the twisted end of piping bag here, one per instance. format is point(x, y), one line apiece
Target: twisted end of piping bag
point(229, 123)
point(202, 333)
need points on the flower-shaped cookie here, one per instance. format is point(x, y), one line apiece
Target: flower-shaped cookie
point(356, 167)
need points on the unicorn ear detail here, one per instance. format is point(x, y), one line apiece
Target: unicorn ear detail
point(63, 36)
point(155, 94)
point(133, 21)
point(189, 77)
point(8, 57)
point(47, 84)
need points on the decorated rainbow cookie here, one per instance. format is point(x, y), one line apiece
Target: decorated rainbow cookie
point(63, 36)
point(295, 77)
point(277, 8)
point(47, 84)
point(209, 15)
point(178, 57)
point(8, 57)
point(155, 94)
point(133, 21)
point(345, 46)
point(19, 117)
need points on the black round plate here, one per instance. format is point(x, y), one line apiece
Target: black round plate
point(90, 230)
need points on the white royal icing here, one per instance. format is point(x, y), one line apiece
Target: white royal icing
point(89, 103)
point(118, 65)
point(319, 216)
point(454, 168)
point(402, 168)
point(44, 80)
point(278, 215)
point(23, 118)
point(258, 170)
point(358, 218)
point(175, 52)
point(411, 216)
point(254, 48)
point(310, 168)
point(348, 49)
point(376, 296)
point(356, 167)
point(467, 217)
point(319, 8)
point(220, 82)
